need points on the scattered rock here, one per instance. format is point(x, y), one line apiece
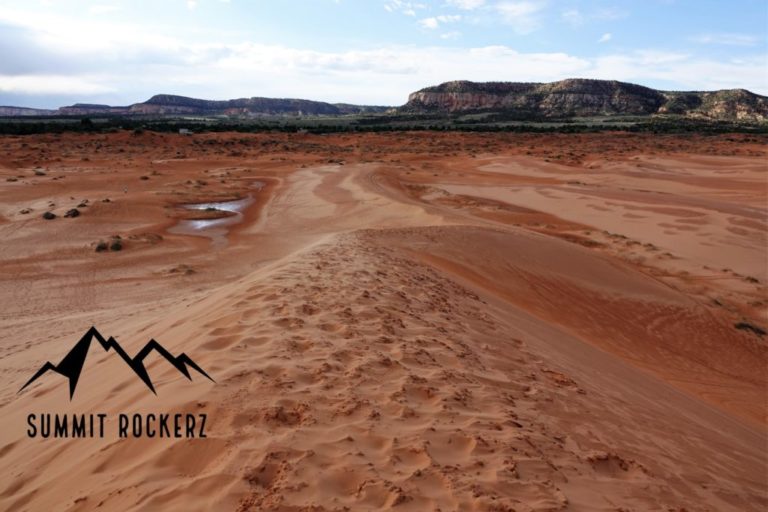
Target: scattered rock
point(182, 269)
point(144, 178)
point(25, 211)
point(11, 179)
point(106, 200)
point(49, 215)
point(746, 326)
point(74, 212)
point(116, 245)
point(39, 172)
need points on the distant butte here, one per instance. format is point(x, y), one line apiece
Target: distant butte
point(581, 97)
point(514, 100)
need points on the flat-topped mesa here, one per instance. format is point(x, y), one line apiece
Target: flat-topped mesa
point(576, 97)
point(170, 104)
point(583, 97)
point(24, 111)
point(80, 109)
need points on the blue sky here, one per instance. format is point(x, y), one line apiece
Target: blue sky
point(57, 52)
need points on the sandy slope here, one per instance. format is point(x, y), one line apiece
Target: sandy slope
point(442, 322)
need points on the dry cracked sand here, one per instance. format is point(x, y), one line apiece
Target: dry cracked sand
point(409, 321)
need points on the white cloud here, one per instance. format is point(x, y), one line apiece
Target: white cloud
point(103, 8)
point(435, 21)
point(430, 23)
point(605, 38)
point(685, 71)
point(455, 34)
point(523, 16)
point(404, 7)
point(576, 18)
point(78, 36)
point(727, 39)
point(467, 5)
point(52, 84)
point(657, 57)
point(573, 17)
point(86, 58)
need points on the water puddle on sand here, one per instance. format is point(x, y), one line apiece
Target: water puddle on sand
point(215, 229)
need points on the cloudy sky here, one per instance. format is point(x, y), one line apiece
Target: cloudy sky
point(57, 52)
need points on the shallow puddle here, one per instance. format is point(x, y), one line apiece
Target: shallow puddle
point(215, 229)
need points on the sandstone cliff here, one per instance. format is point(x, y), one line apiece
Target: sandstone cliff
point(515, 100)
point(581, 97)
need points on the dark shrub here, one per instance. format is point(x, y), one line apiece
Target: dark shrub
point(746, 326)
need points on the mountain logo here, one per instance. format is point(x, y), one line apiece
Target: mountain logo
point(72, 364)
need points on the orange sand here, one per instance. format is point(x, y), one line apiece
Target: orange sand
point(411, 321)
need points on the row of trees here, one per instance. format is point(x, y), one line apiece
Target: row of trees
point(11, 126)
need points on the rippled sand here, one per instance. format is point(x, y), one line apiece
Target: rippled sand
point(410, 321)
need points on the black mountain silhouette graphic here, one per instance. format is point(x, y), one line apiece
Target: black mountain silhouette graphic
point(72, 364)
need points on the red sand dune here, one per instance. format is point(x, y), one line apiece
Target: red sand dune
point(411, 321)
